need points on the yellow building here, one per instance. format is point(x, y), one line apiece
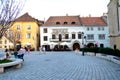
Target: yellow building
point(5, 43)
point(25, 31)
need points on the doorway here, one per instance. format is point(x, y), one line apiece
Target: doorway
point(76, 46)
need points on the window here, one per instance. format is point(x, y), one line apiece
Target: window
point(28, 27)
point(79, 36)
point(45, 30)
point(101, 36)
point(90, 37)
point(5, 41)
point(98, 28)
point(103, 28)
point(18, 35)
point(65, 22)
point(73, 36)
point(91, 28)
point(45, 38)
point(28, 35)
point(73, 23)
point(57, 23)
point(87, 28)
point(53, 36)
point(66, 36)
point(18, 27)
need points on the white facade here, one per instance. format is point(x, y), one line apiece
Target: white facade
point(94, 34)
point(97, 31)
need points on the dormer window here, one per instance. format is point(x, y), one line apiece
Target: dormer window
point(57, 23)
point(65, 23)
point(72, 22)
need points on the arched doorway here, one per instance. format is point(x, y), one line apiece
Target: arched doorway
point(90, 45)
point(76, 45)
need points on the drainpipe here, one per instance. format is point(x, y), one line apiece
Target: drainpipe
point(118, 15)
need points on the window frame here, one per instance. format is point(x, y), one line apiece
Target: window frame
point(73, 36)
point(28, 35)
point(45, 38)
point(45, 30)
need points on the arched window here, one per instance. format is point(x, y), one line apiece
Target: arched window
point(72, 22)
point(57, 23)
point(65, 23)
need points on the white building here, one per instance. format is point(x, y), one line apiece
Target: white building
point(63, 32)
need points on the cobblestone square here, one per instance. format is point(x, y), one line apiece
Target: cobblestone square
point(63, 66)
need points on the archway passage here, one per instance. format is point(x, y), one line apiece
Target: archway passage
point(76, 46)
point(90, 45)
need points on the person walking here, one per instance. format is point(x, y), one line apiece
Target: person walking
point(21, 53)
point(76, 50)
point(28, 50)
point(40, 49)
point(44, 51)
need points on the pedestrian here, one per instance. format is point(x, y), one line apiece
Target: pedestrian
point(40, 49)
point(6, 53)
point(76, 50)
point(44, 51)
point(21, 53)
point(15, 54)
point(28, 50)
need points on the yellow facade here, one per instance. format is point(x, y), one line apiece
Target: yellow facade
point(5, 43)
point(29, 33)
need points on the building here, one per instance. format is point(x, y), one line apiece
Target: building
point(5, 43)
point(114, 23)
point(71, 32)
point(25, 31)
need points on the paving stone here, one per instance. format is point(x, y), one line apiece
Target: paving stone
point(63, 66)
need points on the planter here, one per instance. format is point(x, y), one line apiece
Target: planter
point(15, 62)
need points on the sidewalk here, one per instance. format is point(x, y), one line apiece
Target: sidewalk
point(63, 66)
point(114, 59)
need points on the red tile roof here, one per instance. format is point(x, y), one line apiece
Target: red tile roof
point(26, 18)
point(63, 21)
point(92, 21)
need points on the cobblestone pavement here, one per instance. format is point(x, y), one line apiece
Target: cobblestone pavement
point(63, 66)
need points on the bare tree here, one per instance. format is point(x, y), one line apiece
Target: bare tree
point(14, 36)
point(9, 10)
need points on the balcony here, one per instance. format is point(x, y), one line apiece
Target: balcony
point(62, 40)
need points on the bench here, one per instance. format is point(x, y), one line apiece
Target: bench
point(16, 62)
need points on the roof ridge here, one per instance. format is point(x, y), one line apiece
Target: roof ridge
point(25, 17)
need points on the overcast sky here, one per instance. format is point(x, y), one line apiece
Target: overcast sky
point(41, 9)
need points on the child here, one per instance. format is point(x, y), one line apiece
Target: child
point(7, 54)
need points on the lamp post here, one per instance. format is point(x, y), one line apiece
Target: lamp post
point(83, 43)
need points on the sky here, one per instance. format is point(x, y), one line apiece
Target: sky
point(43, 9)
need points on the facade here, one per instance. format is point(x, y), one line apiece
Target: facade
point(114, 23)
point(71, 32)
point(26, 31)
point(5, 43)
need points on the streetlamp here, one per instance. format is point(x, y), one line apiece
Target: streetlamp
point(83, 43)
